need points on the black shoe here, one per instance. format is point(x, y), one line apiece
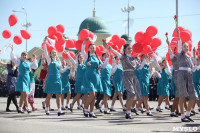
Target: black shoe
point(100, 109)
point(199, 110)
point(124, 109)
point(61, 113)
point(85, 114)
point(93, 116)
point(19, 111)
point(51, 109)
point(173, 115)
point(97, 106)
point(128, 116)
point(194, 112)
point(43, 105)
point(71, 108)
point(142, 111)
point(112, 110)
point(149, 114)
point(106, 112)
point(168, 108)
point(189, 118)
point(159, 110)
point(191, 114)
point(28, 111)
point(177, 113)
point(47, 113)
point(185, 120)
point(8, 110)
point(133, 110)
point(63, 108)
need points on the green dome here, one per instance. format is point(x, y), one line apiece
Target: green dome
point(125, 36)
point(95, 25)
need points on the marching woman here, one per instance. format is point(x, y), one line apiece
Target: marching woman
point(11, 83)
point(106, 84)
point(93, 80)
point(196, 80)
point(185, 85)
point(117, 72)
point(31, 98)
point(79, 83)
point(130, 81)
point(65, 73)
point(144, 80)
point(53, 83)
point(23, 80)
point(174, 82)
point(164, 85)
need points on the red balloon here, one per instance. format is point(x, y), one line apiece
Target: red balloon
point(156, 42)
point(59, 35)
point(151, 31)
point(59, 48)
point(121, 43)
point(174, 39)
point(6, 34)
point(87, 46)
point(168, 56)
point(72, 54)
point(47, 44)
point(146, 49)
point(74, 40)
point(101, 47)
point(147, 41)
point(78, 44)
point(190, 45)
point(115, 39)
point(175, 33)
point(137, 47)
point(61, 41)
point(50, 48)
point(17, 39)
point(110, 60)
point(188, 32)
point(52, 30)
point(134, 54)
point(91, 34)
point(54, 37)
point(65, 56)
point(84, 33)
point(25, 34)
point(60, 28)
point(98, 50)
point(69, 44)
point(110, 43)
point(185, 36)
point(12, 20)
point(115, 47)
point(139, 36)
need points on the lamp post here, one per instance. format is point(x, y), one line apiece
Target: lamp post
point(27, 24)
point(128, 10)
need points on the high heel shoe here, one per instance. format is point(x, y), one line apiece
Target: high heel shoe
point(106, 112)
point(60, 113)
point(71, 108)
point(28, 111)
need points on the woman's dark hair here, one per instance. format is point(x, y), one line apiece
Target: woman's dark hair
point(11, 64)
point(125, 46)
point(116, 57)
point(163, 60)
point(95, 54)
point(142, 55)
point(103, 55)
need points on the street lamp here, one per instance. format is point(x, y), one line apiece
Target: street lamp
point(27, 24)
point(128, 10)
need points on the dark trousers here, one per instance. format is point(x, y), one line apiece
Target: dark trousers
point(13, 98)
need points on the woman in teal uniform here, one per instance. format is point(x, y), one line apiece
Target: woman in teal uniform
point(79, 83)
point(117, 82)
point(164, 86)
point(93, 80)
point(23, 80)
point(53, 83)
point(65, 73)
point(106, 84)
point(196, 80)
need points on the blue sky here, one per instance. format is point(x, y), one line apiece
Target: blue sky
point(70, 13)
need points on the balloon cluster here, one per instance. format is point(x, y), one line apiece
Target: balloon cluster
point(116, 43)
point(185, 36)
point(12, 20)
point(198, 50)
point(144, 41)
